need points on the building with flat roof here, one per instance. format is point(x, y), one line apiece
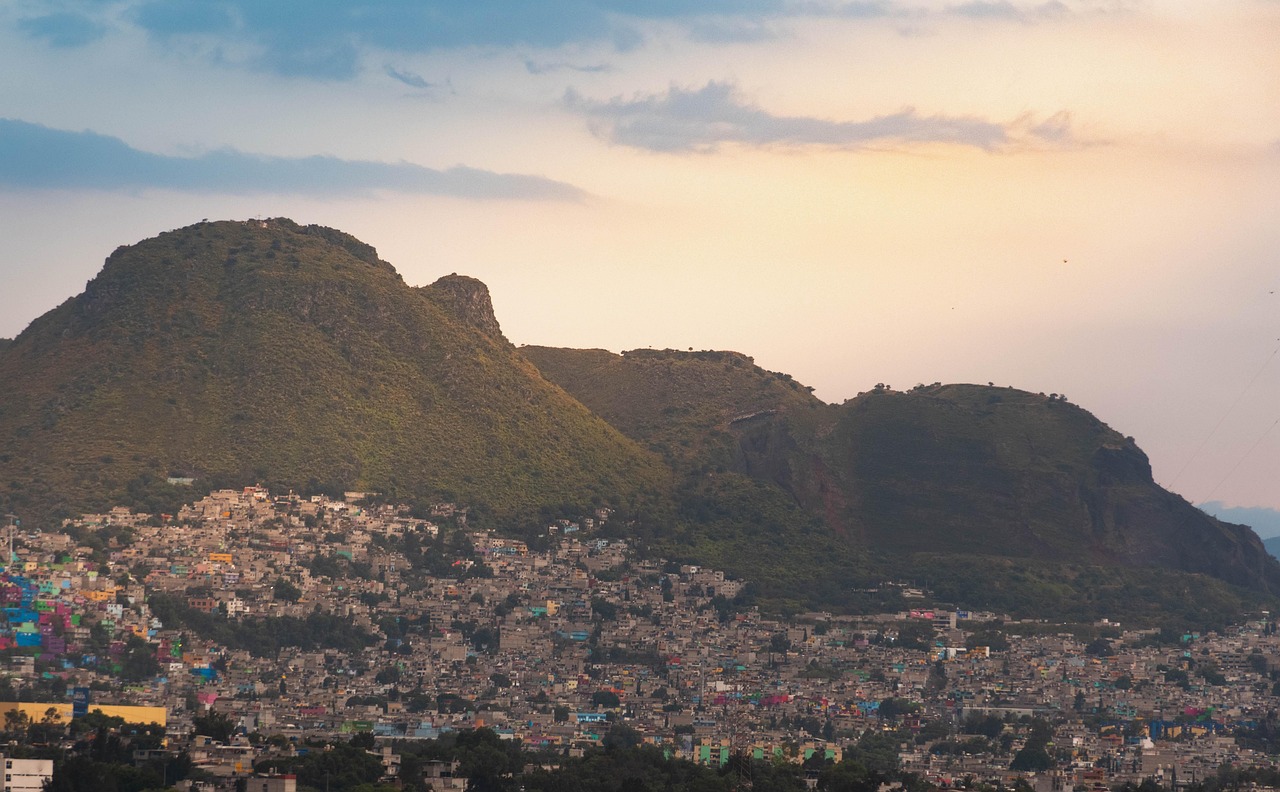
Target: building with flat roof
point(26, 775)
point(277, 783)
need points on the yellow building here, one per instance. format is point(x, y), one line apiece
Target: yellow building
point(35, 710)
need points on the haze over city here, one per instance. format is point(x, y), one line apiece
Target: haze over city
point(1064, 197)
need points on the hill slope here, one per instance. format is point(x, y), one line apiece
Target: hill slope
point(685, 406)
point(1272, 545)
point(708, 414)
point(1264, 522)
point(1015, 474)
point(292, 355)
point(991, 496)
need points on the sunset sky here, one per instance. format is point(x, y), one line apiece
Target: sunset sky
point(1070, 197)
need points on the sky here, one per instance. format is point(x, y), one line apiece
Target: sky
point(1066, 197)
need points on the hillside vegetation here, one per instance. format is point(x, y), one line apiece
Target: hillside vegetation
point(733, 510)
point(682, 405)
point(266, 351)
point(236, 352)
point(990, 497)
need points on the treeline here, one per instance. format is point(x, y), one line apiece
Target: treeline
point(102, 756)
point(435, 556)
point(621, 763)
point(1149, 596)
point(266, 636)
point(102, 761)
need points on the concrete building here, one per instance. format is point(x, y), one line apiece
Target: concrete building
point(280, 783)
point(26, 775)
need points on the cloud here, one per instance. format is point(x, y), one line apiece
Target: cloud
point(63, 30)
point(38, 157)
point(547, 67)
point(683, 120)
point(408, 78)
point(183, 17)
point(981, 9)
point(730, 31)
point(1003, 10)
point(870, 9)
point(327, 40)
point(1055, 129)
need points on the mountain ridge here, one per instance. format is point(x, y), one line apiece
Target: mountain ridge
point(293, 356)
point(290, 354)
point(1265, 522)
point(903, 481)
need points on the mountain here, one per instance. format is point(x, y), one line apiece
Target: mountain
point(1272, 545)
point(708, 414)
point(1264, 522)
point(689, 407)
point(234, 352)
point(987, 495)
point(290, 355)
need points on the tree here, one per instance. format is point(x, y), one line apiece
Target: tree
point(916, 634)
point(485, 639)
point(16, 723)
point(987, 725)
point(875, 750)
point(606, 610)
point(1032, 758)
point(387, 676)
point(849, 776)
point(139, 661)
point(487, 760)
point(606, 698)
point(284, 590)
point(937, 676)
point(893, 707)
point(1099, 647)
point(1258, 662)
point(988, 636)
point(363, 739)
point(621, 737)
point(341, 766)
point(214, 725)
point(50, 728)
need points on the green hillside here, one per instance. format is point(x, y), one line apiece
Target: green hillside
point(266, 351)
point(706, 412)
point(1016, 474)
point(234, 352)
point(991, 497)
point(684, 406)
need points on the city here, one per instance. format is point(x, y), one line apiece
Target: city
point(253, 627)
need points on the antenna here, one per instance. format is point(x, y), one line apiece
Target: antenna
point(14, 522)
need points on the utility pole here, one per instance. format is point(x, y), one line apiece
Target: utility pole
point(14, 522)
